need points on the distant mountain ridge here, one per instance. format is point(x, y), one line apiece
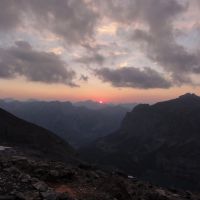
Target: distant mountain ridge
point(77, 125)
point(91, 104)
point(96, 105)
point(159, 143)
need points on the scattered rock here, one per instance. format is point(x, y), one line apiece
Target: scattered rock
point(28, 195)
point(12, 170)
point(25, 178)
point(54, 173)
point(50, 195)
point(40, 186)
point(7, 197)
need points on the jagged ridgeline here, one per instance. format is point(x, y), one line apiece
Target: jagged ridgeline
point(159, 143)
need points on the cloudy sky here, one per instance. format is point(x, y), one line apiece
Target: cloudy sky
point(110, 50)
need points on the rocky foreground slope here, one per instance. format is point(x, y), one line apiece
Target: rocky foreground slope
point(27, 178)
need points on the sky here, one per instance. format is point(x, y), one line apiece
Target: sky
point(109, 50)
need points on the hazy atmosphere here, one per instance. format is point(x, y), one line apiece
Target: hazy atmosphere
point(114, 51)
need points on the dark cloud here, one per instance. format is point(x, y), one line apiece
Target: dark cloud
point(161, 45)
point(22, 60)
point(9, 14)
point(94, 58)
point(74, 21)
point(158, 34)
point(171, 56)
point(152, 12)
point(84, 78)
point(198, 2)
point(160, 41)
point(133, 77)
point(121, 11)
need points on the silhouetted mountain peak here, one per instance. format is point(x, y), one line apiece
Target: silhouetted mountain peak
point(140, 107)
point(160, 140)
point(189, 96)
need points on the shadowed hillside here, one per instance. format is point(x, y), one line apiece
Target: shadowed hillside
point(159, 143)
point(19, 133)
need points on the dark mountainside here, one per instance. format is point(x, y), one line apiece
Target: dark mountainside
point(15, 132)
point(158, 143)
point(77, 125)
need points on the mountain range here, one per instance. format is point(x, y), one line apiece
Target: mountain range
point(76, 124)
point(159, 143)
point(96, 105)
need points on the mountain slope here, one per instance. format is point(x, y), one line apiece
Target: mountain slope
point(159, 143)
point(19, 133)
point(77, 125)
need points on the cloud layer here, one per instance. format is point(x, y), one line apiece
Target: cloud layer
point(9, 15)
point(22, 60)
point(73, 20)
point(91, 59)
point(157, 34)
point(161, 46)
point(133, 77)
point(150, 24)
